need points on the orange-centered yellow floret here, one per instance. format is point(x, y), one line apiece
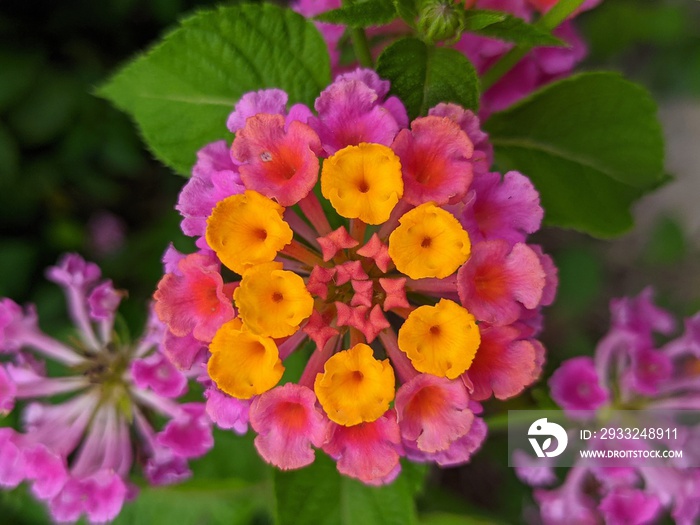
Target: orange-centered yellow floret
point(429, 242)
point(247, 229)
point(363, 182)
point(355, 387)
point(272, 301)
point(243, 364)
point(441, 340)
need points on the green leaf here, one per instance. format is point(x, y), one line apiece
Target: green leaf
point(182, 90)
point(361, 14)
point(503, 26)
point(224, 502)
point(591, 144)
point(407, 10)
point(440, 518)
point(319, 495)
point(422, 76)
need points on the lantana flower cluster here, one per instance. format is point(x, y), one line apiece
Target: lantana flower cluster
point(421, 301)
point(538, 68)
point(107, 404)
point(630, 370)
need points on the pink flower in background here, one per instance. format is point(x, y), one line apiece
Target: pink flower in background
point(630, 368)
point(77, 454)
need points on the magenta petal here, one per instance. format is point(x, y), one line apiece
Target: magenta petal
point(105, 493)
point(46, 469)
point(288, 425)
point(214, 177)
point(73, 271)
point(369, 452)
point(554, 62)
point(158, 374)
point(12, 463)
point(370, 78)
point(184, 351)
point(165, 468)
point(279, 163)
point(533, 471)
point(349, 112)
point(627, 506)
point(640, 315)
point(507, 209)
point(189, 435)
point(70, 502)
point(575, 385)
point(433, 412)
point(103, 301)
point(650, 369)
point(562, 507)
point(435, 160)
point(15, 325)
point(272, 101)
point(7, 392)
point(498, 278)
point(505, 363)
point(226, 411)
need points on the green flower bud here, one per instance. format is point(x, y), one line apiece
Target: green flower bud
point(440, 20)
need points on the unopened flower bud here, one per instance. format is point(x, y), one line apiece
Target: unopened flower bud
point(440, 20)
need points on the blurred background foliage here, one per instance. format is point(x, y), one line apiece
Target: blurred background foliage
point(74, 176)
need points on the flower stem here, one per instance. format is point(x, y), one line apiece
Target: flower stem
point(549, 21)
point(361, 46)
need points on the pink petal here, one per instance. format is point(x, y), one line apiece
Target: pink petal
point(273, 101)
point(336, 241)
point(575, 385)
point(184, 352)
point(505, 363)
point(433, 412)
point(498, 278)
point(435, 162)
point(369, 452)
point(214, 177)
point(190, 434)
point(507, 209)
point(288, 425)
point(350, 112)
point(278, 162)
point(226, 411)
point(194, 300)
point(158, 374)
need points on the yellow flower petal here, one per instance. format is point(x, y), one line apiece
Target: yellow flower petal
point(355, 387)
point(272, 301)
point(247, 229)
point(429, 242)
point(243, 364)
point(441, 340)
point(363, 182)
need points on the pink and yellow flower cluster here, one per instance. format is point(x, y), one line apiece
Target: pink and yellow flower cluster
point(390, 246)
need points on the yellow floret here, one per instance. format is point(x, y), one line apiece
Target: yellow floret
point(247, 229)
point(429, 242)
point(355, 387)
point(363, 182)
point(243, 364)
point(272, 301)
point(441, 340)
